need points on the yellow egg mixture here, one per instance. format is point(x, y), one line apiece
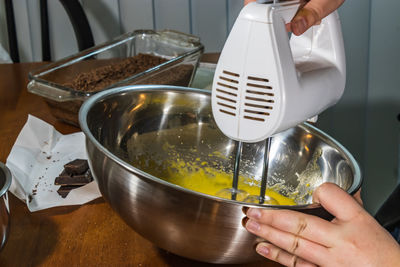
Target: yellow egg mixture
point(198, 176)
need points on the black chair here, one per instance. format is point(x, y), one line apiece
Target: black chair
point(76, 15)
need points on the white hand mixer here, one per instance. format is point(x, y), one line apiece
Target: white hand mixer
point(266, 83)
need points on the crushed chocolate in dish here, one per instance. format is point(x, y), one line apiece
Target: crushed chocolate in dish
point(74, 175)
point(101, 77)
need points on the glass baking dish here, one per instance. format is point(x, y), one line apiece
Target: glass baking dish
point(180, 53)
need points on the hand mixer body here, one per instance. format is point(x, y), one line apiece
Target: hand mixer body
point(265, 83)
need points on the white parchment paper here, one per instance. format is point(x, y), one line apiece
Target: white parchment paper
point(38, 157)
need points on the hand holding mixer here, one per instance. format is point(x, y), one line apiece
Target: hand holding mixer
point(266, 83)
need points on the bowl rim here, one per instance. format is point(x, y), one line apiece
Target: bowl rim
point(8, 180)
point(86, 106)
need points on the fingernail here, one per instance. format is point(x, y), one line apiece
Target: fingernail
point(299, 26)
point(252, 226)
point(262, 250)
point(254, 213)
point(244, 210)
point(244, 221)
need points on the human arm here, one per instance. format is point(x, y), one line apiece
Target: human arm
point(310, 13)
point(353, 238)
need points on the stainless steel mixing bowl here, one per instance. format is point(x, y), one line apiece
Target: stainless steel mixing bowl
point(134, 133)
point(5, 182)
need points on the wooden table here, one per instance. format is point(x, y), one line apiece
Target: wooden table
point(87, 235)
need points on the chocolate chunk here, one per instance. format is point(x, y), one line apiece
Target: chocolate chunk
point(63, 191)
point(61, 177)
point(78, 166)
point(75, 174)
point(80, 179)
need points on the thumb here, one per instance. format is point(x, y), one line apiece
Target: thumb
point(304, 19)
point(337, 201)
point(311, 13)
point(248, 1)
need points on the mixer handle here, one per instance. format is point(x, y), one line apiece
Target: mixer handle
point(322, 44)
point(313, 66)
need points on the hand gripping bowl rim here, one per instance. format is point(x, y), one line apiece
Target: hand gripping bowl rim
point(357, 179)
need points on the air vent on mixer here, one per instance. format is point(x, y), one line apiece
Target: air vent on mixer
point(227, 92)
point(259, 99)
